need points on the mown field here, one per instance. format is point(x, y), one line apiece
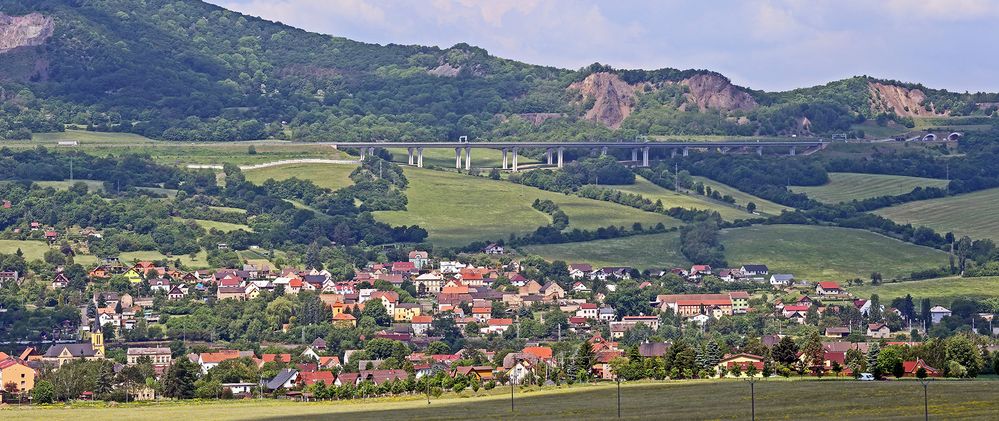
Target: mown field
point(844, 187)
point(673, 199)
point(763, 206)
point(972, 214)
point(690, 400)
point(458, 209)
point(35, 249)
point(331, 176)
point(940, 291)
point(640, 251)
point(826, 253)
point(221, 226)
point(180, 153)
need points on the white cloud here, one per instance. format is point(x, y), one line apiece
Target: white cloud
point(935, 10)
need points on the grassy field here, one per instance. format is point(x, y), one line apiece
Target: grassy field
point(826, 253)
point(972, 214)
point(32, 249)
point(844, 187)
point(742, 198)
point(940, 291)
point(457, 209)
point(691, 400)
point(639, 251)
point(92, 185)
point(200, 260)
point(221, 226)
point(331, 176)
point(672, 199)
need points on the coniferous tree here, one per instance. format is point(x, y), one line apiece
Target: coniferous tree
point(178, 381)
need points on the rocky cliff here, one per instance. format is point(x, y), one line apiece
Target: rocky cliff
point(711, 91)
point(886, 98)
point(613, 98)
point(24, 31)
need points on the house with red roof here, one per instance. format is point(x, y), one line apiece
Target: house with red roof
point(828, 288)
point(543, 353)
point(497, 325)
point(743, 361)
point(911, 367)
point(311, 378)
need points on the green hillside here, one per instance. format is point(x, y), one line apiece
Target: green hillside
point(972, 214)
point(458, 209)
point(827, 253)
point(673, 199)
point(763, 206)
point(941, 291)
point(331, 176)
point(654, 251)
point(844, 187)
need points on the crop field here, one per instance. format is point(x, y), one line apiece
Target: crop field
point(940, 291)
point(826, 253)
point(639, 251)
point(673, 199)
point(331, 176)
point(972, 214)
point(221, 226)
point(763, 206)
point(690, 400)
point(458, 209)
point(844, 187)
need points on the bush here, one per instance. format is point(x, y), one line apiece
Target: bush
point(44, 392)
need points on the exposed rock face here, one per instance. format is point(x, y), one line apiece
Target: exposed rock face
point(899, 100)
point(445, 70)
point(24, 31)
point(613, 98)
point(710, 91)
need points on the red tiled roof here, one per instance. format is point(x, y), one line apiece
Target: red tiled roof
point(542, 352)
point(344, 316)
point(315, 377)
point(422, 319)
point(829, 285)
point(217, 357)
point(284, 358)
point(500, 322)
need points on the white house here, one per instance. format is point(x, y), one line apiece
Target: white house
point(938, 313)
point(781, 280)
point(755, 270)
point(587, 311)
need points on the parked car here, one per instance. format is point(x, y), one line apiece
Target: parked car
point(866, 377)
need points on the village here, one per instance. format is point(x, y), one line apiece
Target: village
point(425, 325)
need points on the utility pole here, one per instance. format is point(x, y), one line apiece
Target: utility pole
point(926, 401)
point(618, 396)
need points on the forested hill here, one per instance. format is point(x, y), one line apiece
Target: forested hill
point(188, 70)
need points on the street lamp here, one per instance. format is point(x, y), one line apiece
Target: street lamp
point(752, 394)
point(618, 396)
point(926, 402)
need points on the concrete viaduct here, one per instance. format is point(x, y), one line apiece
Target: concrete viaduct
point(554, 150)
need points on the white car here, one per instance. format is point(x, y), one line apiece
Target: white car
point(866, 377)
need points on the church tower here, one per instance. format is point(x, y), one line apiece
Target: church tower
point(97, 340)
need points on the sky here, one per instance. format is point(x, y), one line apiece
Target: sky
point(761, 44)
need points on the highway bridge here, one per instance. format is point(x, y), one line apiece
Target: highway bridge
point(554, 150)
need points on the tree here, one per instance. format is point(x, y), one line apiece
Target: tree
point(178, 381)
point(438, 348)
point(585, 358)
point(376, 310)
point(751, 207)
point(961, 349)
point(921, 373)
point(786, 351)
point(872, 359)
point(813, 351)
point(44, 392)
point(875, 314)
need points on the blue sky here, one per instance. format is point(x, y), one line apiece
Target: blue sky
point(762, 44)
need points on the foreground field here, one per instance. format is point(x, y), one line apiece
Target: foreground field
point(331, 176)
point(826, 253)
point(673, 199)
point(940, 291)
point(972, 214)
point(763, 206)
point(691, 400)
point(639, 251)
point(844, 187)
point(458, 209)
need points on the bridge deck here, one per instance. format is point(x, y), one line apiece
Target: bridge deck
point(508, 145)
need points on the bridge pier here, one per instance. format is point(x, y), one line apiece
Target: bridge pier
point(548, 154)
point(792, 151)
point(362, 153)
point(515, 150)
point(419, 157)
point(603, 151)
point(504, 158)
point(634, 154)
point(759, 150)
point(468, 158)
point(409, 151)
point(672, 153)
point(645, 156)
point(686, 151)
point(457, 158)
point(560, 150)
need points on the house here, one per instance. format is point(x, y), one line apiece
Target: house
point(743, 361)
point(419, 259)
point(175, 293)
point(405, 312)
point(689, 305)
point(587, 311)
point(653, 349)
point(837, 332)
point(133, 276)
point(580, 287)
point(602, 368)
point(17, 372)
point(781, 280)
point(696, 271)
point(937, 313)
point(160, 284)
point(878, 330)
point(274, 358)
point(755, 270)
point(285, 379)
point(344, 320)
point(552, 291)
point(483, 373)
point(911, 367)
point(208, 360)
point(234, 292)
point(239, 388)
point(497, 325)
point(579, 270)
point(379, 377)
point(347, 378)
point(8, 277)
point(310, 378)
point(159, 357)
point(828, 288)
point(60, 281)
point(421, 324)
point(494, 249)
point(406, 267)
point(606, 314)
